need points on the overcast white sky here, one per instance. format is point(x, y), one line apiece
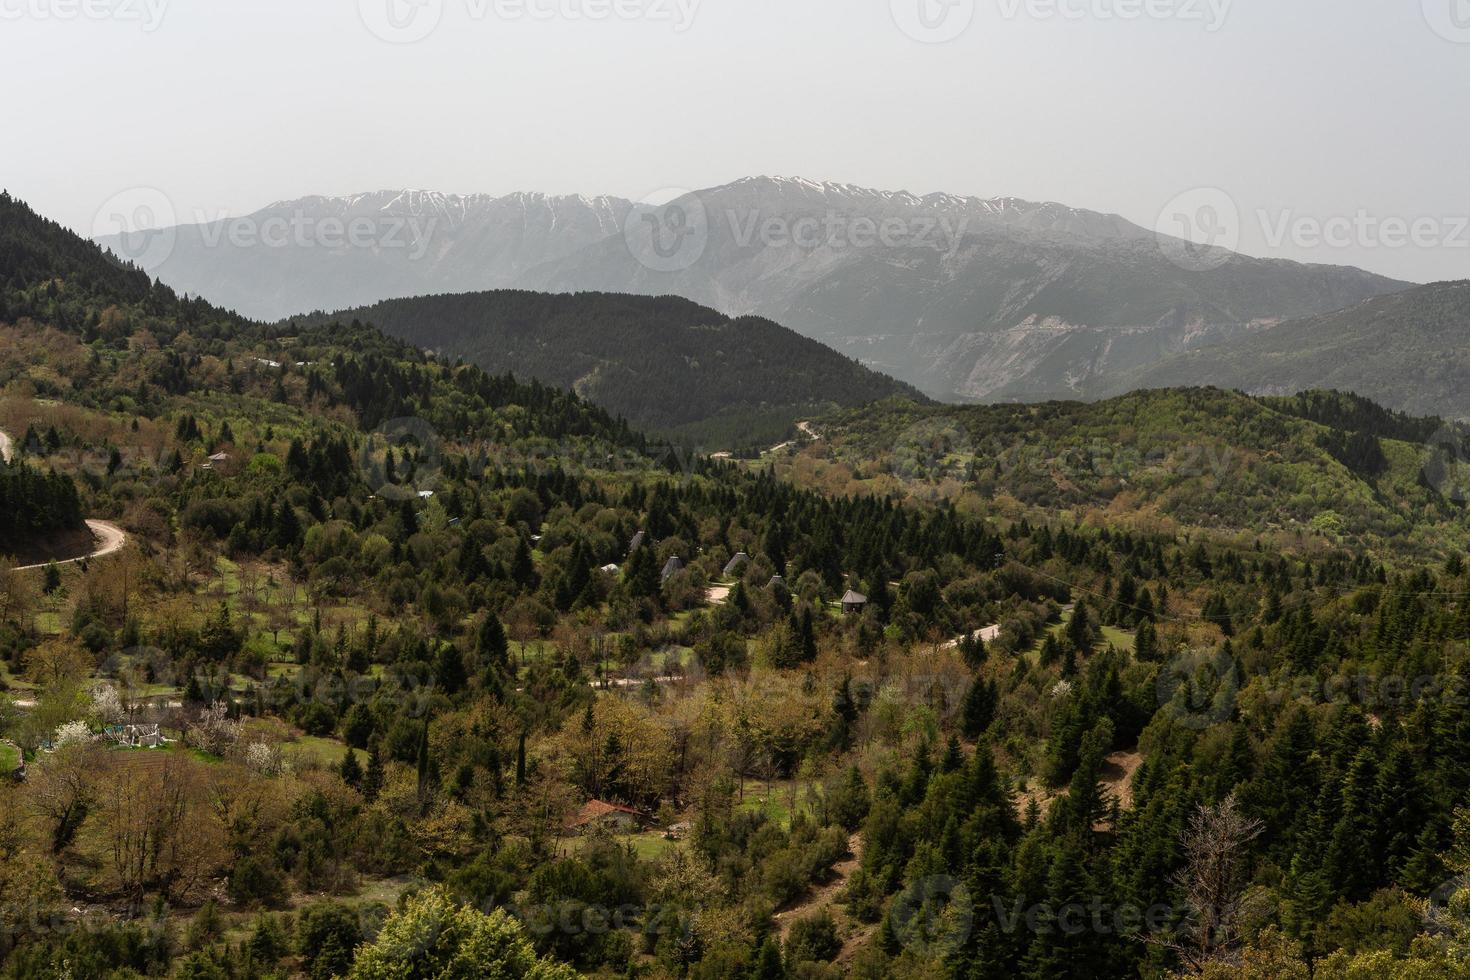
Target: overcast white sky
point(1306, 110)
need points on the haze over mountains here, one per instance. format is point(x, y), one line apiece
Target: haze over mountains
point(1409, 350)
point(965, 298)
point(296, 257)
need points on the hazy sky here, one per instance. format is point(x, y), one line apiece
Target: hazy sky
point(1299, 111)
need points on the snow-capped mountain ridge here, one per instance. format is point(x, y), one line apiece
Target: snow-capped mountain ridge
point(978, 298)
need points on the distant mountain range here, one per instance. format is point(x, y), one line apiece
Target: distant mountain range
point(1409, 351)
point(328, 253)
point(667, 365)
point(965, 298)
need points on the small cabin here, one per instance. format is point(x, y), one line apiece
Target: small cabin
point(637, 542)
point(672, 567)
point(735, 564)
point(854, 603)
point(597, 814)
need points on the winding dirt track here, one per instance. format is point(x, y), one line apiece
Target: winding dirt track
point(110, 537)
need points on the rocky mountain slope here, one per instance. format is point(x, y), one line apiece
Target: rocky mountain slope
point(1409, 351)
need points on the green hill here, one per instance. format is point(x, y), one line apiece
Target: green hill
point(1324, 464)
point(666, 364)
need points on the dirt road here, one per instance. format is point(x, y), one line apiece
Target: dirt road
point(110, 539)
point(987, 634)
point(805, 429)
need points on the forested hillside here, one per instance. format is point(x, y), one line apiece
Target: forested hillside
point(33, 505)
point(413, 671)
point(666, 364)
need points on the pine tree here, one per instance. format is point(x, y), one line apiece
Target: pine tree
point(449, 669)
point(1146, 644)
point(372, 780)
point(767, 964)
point(972, 648)
point(351, 770)
point(979, 709)
point(1080, 629)
point(807, 636)
point(493, 647)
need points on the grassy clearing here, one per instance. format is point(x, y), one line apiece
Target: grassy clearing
point(50, 623)
point(774, 799)
point(1123, 640)
point(311, 749)
point(12, 682)
point(650, 845)
point(9, 758)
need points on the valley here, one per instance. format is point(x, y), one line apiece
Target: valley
point(379, 635)
point(463, 514)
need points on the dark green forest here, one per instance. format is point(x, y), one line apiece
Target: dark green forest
point(667, 365)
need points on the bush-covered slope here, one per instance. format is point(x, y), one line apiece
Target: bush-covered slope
point(1321, 463)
